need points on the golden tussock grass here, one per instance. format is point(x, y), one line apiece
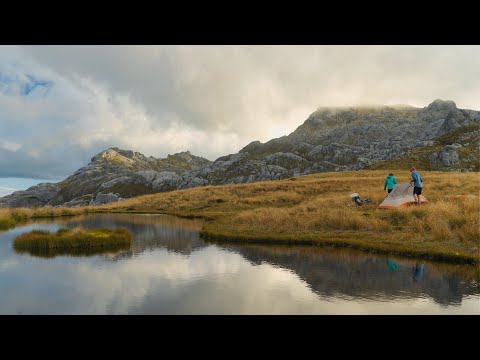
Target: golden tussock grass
point(10, 217)
point(317, 209)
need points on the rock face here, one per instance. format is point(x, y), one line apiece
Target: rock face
point(331, 139)
point(105, 198)
point(38, 195)
point(448, 156)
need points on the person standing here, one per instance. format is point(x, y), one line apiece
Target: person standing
point(417, 185)
point(390, 182)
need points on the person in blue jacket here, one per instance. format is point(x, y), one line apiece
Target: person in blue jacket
point(417, 185)
point(390, 182)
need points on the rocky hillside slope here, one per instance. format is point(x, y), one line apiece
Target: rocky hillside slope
point(437, 137)
point(111, 175)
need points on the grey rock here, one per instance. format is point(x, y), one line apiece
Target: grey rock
point(74, 203)
point(35, 196)
point(447, 157)
point(105, 199)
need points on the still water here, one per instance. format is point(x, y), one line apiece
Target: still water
point(170, 270)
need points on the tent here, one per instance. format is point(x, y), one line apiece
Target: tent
point(400, 196)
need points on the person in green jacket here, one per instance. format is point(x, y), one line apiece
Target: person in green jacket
point(390, 182)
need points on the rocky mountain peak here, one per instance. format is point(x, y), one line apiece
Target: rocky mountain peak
point(441, 105)
point(117, 155)
point(107, 154)
point(183, 155)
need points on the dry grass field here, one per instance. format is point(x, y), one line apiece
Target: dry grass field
point(317, 209)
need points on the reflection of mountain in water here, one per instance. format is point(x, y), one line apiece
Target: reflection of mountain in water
point(329, 272)
point(149, 231)
point(345, 272)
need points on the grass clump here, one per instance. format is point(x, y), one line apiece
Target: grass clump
point(77, 238)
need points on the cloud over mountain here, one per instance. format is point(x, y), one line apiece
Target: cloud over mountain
point(61, 104)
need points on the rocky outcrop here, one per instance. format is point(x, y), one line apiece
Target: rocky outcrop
point(127, 173)
point(101, 199)
point(447, 157)
point(38, 195)
point(331, 139)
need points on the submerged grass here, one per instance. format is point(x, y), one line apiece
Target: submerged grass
point(77, 238)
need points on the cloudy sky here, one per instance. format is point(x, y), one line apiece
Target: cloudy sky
point(61, 105)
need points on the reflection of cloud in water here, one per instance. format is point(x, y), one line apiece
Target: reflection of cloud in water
point(191, 277)
point(347, 273)
point(89, 286)
point(8, 264)
point(210, 281)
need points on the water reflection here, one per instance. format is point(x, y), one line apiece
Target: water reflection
point(350, 273)
point(392, 265)
point(47, 253)
point(418, 272)
point(169, 269)
point(149, 232)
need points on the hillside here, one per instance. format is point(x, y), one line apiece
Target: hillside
point(317, 210)
point(437, 137)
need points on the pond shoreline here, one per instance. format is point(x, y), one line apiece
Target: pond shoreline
point(170, 269)
point(338, 240)
point(316, 209)
point(439, 257)
point(331, 240)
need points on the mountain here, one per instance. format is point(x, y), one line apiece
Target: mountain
point(437, 137)
point(124, 173)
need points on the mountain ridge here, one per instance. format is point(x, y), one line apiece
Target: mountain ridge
point(436, 137)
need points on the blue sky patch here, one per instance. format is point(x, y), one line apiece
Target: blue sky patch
point(28, 86)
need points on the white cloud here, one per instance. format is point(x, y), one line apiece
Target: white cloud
point(60, 105)
point(9, 145)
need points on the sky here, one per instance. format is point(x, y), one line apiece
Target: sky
point(61, 105)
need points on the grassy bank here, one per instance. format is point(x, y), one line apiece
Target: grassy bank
point(9, 218)
point(317, 209)
point(77, 238)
